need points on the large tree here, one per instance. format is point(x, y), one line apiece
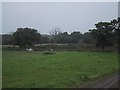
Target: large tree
point(103, 34)
point(116, 30)
point(26, 37)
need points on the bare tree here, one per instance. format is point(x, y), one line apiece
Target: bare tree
point(55, 32)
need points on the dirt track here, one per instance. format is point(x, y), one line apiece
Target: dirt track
point(111, 82)
point(105, 82)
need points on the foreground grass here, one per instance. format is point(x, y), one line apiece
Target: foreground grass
point(63, 69)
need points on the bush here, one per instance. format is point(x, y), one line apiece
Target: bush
point(48, 53)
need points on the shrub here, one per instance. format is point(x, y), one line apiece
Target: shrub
point(48, 53)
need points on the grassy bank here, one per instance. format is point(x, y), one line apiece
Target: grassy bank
point(62, 69)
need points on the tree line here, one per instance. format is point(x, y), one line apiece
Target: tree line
point(23, 37)
point(104, 34)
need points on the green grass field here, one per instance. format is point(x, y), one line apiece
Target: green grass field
point(22, 69)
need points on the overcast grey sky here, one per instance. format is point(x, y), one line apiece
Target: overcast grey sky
point(44, 16)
